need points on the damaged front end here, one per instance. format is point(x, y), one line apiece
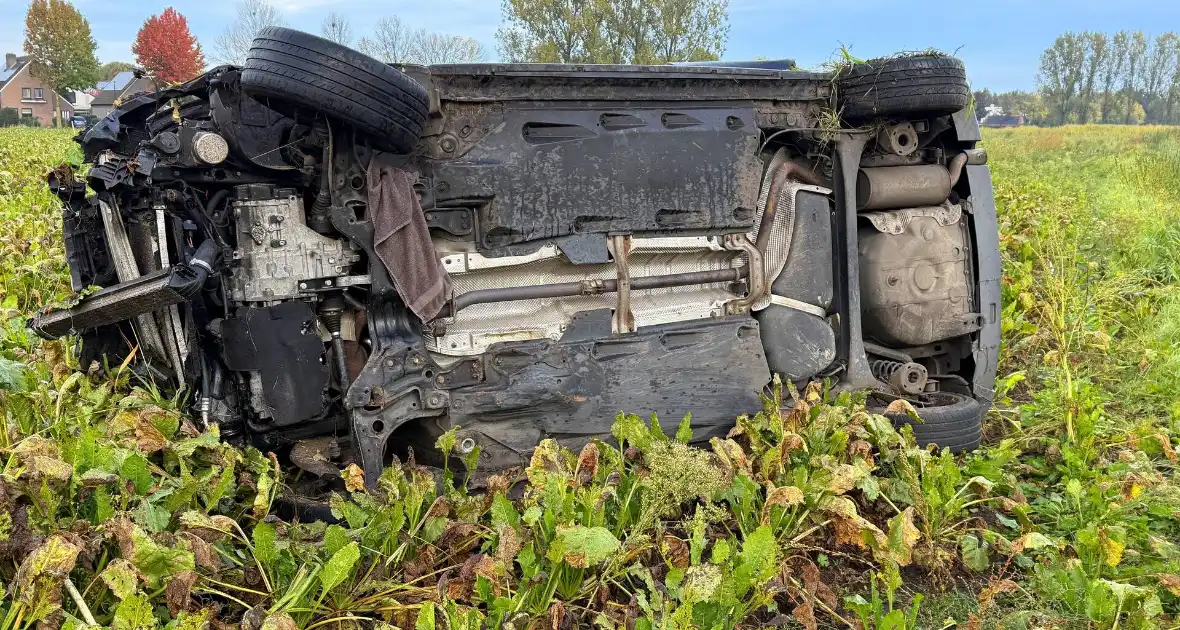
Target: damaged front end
point(526, 252)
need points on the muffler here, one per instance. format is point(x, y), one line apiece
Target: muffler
point(891, 187)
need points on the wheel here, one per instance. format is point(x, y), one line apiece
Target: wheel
point(923, 84)
point(310, 72)
point(949, 420)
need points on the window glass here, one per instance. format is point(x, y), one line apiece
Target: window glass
point(26, 113)
point(26, 92)
point(39, 92)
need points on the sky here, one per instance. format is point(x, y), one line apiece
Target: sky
point(999, 40)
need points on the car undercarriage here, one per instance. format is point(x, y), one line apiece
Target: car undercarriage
point(341, 260)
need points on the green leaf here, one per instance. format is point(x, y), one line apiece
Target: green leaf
point(582, 546)
point(265, 549)
point(630, 430)
point(157, 563)
point(895, 620)
point(121, 578)
point(12, 375)
point(974, 553)
point(503, 512)
point(339, 566)
point(135, 613)
point(335, 537)
point(135, 469)
point(152, 515)
point(532, 515)
point(758, 560)
point(425, 617)
point(684, 431)
point(446, 442)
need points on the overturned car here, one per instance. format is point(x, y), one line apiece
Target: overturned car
point(346, 258)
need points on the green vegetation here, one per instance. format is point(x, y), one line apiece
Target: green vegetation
point(1122, 79)
point(811, 513)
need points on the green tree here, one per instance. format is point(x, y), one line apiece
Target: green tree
point(1096, 50)
point(108, 70)
point(613, 31)
point(60, 47)
point(1157, 74)
point(1062, 67)
point(1112, 70)
point(1136, 50)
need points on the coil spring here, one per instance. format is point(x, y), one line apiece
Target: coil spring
point(885, 368)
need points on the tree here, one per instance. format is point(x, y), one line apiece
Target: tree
point(689, 30)
point(433, 48)
point(1173, 91)
point(165, 47)
point(1112, 71)
point(1061, 71)
point(9, 117)
point(108, 70)
point(1136, 48)
point(253, 16)
point(336, 28)
point(1157, 68)
point(1095, 53)
point(392, 41)
point(552, 31)
point(60, 48)
point(613, 31)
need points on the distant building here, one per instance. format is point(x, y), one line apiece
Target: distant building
point(81, 100)
point(110, 94)
point(995, 117)
point(30, 96)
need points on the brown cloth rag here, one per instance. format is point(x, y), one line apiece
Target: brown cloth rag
point(402, 239)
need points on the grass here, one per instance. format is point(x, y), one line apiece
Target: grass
point(119, 513)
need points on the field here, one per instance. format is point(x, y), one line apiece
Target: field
point(119, 513)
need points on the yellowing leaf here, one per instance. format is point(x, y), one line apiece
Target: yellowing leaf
point(1031, 540)
point(785, 496)
point(121, 577)
point(354, 478)
point(582, 546)
point(38, 580)
point(903, 536)
point(1112, 550)
point(902, 407)
point(1170, 582)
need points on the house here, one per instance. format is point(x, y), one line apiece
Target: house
point(996, 118)
point(81, 100)
point(30, 96)
point(109, 94)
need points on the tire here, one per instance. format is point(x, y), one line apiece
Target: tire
point(949, 420)
point(310, 72)
point(925, 84)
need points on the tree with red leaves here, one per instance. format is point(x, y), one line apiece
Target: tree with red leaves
point(165, 47)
